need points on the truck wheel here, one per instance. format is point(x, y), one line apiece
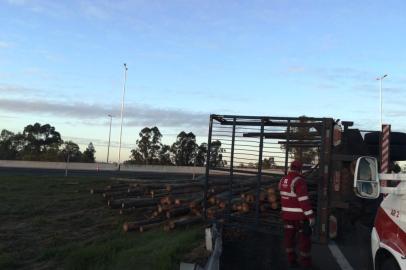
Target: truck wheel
point(389, 264)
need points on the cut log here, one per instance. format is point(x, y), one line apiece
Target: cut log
point(275, 205)
point(184, 221)
point(132, 226)
point(273, 198)
point(127, 203)
point(187, 186)
point(176, 212)
point(147, 227)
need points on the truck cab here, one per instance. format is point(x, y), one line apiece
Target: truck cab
point(388, 237)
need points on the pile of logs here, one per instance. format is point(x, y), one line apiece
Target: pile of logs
point(151, 203)
point(243, 200)
point(170, 204)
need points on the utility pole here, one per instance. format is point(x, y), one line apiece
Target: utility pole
point(122, 111)
point(108, 147)
point(380, 96)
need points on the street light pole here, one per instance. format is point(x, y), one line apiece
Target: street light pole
point(108, 147)
point(122, 110)
point(380, 95)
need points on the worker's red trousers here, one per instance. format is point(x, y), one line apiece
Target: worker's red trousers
point(294, 228)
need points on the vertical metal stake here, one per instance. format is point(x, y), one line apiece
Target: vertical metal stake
point(206, 183)
point(231, 168)
point(261, 146)
point(287, 148)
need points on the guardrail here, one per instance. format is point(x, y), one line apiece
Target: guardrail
point(99, 167)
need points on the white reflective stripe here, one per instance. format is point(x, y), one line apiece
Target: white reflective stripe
point(303, 198)
point(308, 213)
point(289, 227)
point(292, 185)
point(289, 209)
point(289, 194)
point(304, 254)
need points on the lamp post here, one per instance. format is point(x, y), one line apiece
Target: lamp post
point(380, 94)
point(108, 147)
point(122, 111)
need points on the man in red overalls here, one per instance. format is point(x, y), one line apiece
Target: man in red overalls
point(297, 215)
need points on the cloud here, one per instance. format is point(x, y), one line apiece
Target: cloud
point(95, 10)
point(5, 45)
point(56, 9)
point(295, 69)
point(135, 115)
point(335, 74)
point(18, 2)
point(17, 89)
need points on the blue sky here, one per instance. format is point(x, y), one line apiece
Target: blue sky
point(61, 63)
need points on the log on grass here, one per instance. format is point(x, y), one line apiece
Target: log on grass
point(115, 204)
point(273, 198)
point(127, 203)
point(134, 210)
point(184, 221)
point(176, 212)
point(186, 186)
point(133, 226)
point(147, 227)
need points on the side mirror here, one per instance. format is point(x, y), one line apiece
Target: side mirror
point(366, 180)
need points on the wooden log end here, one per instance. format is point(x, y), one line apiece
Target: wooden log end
point(125, 227)
point(167, 228)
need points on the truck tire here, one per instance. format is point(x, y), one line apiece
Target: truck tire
point(389, 264)
point(395, 137)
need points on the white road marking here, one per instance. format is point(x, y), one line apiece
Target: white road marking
point(339, 256)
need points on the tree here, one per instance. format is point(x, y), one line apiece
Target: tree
point(165, 155)
point(268, 163)
point(302, 134)
point(88, 154)
point(148, 147)
point(38, 142)
point(216, 154)
point(7, 146)
point(185, 149)
point(71, 152)
point(201, 154)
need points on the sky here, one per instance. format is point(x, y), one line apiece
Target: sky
point(61, 62)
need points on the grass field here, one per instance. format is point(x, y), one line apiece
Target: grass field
point(54, 223)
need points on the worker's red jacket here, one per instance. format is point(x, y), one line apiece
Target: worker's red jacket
point(294, 197)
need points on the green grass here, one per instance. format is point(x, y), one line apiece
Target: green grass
point(48, 223)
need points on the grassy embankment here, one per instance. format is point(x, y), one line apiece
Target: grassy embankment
point(53, 222)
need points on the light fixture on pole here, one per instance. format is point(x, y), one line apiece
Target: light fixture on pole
point(122, 111)
point(380, 94)
point(108, 147)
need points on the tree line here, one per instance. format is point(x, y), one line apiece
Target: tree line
point(184, 151)
point(42, 143)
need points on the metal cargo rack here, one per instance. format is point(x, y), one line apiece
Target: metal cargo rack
point(258, 150)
